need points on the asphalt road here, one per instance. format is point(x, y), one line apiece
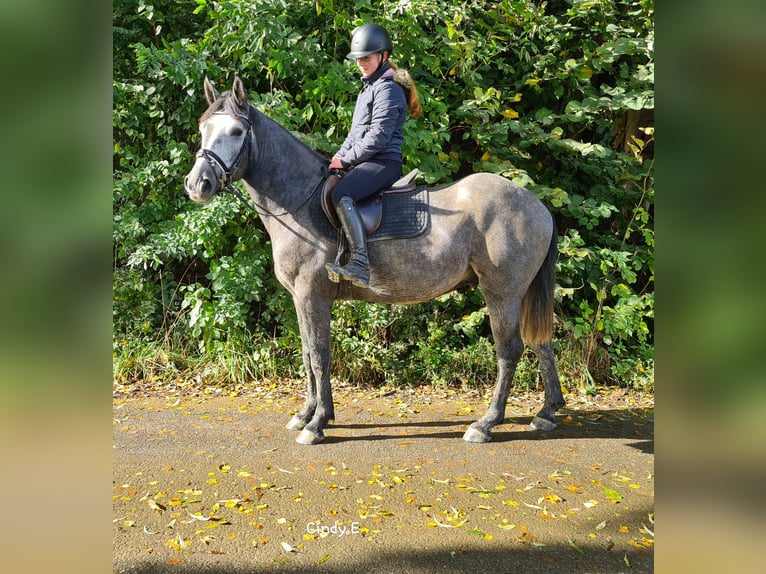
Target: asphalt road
point(207, 482)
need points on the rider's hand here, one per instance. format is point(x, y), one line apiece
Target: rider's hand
point(336, 163)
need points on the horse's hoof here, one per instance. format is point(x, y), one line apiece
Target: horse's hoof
point(475, 435)
point(296, 423)
point(309, 437)
point(542, 424)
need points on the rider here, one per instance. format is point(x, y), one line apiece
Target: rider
point(372, 151)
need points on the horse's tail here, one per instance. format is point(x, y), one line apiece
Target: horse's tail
point(537, 305)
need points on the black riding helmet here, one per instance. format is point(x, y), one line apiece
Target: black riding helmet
point(369, 39)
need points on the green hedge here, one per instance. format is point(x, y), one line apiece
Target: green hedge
point(557, 96)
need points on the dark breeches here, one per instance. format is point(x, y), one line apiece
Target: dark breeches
point(368, 177)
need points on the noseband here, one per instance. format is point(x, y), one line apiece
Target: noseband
point(227, 173)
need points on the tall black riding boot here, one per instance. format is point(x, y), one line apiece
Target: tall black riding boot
point(357, 269)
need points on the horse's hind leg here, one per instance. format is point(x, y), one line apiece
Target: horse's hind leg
point(509, 348)
point(546, 419)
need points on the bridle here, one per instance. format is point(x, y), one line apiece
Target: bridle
point(227, 173)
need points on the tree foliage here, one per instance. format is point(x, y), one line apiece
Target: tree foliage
point(557, 96)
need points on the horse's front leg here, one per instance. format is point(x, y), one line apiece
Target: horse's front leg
point(314, 321)
point(545, 420)
point(302, 417)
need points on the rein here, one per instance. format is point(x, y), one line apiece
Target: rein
point(227, 174)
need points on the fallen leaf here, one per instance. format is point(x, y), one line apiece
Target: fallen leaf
point(577, 548)
point(613, 494)
point(287, 548)
point(156, 506)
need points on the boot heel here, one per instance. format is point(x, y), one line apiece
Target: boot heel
point(332, 272)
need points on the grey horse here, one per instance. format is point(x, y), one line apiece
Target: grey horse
point(484, 230)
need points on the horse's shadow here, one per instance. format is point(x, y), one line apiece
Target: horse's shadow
point(634, 425)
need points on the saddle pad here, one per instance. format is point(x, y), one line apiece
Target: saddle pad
point(405, 215)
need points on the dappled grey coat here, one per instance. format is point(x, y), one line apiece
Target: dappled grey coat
point(377, 129)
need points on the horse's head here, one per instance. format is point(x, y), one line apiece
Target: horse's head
point(226, 142)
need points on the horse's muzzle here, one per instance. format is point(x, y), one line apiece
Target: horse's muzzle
point(201, 183)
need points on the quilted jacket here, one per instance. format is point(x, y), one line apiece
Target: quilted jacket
point(378, 122)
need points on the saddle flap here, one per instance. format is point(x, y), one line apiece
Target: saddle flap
point(326, 199)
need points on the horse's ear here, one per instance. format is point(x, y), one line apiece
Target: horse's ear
point(211, 94)
point(238, 89)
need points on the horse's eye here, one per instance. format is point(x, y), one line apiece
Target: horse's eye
point(237, 132)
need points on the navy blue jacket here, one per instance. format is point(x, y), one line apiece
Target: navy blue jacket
point(377, 129)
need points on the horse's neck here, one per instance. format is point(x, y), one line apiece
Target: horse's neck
point(284, 171)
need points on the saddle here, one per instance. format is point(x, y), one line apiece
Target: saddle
point(370, 208)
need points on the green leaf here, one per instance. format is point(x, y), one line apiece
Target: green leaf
point(613, 494)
